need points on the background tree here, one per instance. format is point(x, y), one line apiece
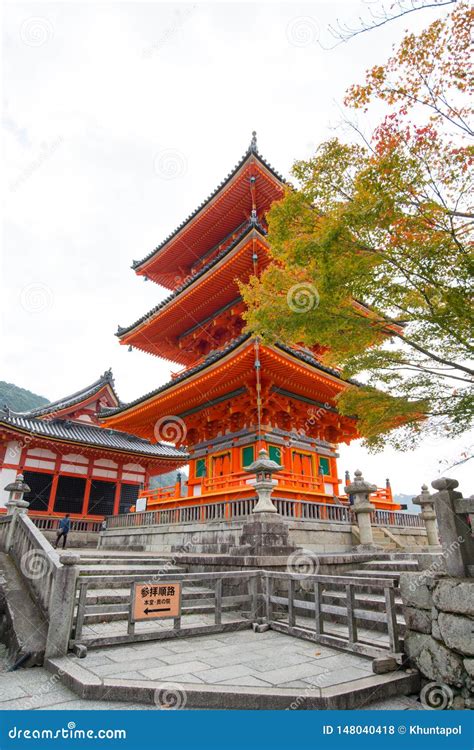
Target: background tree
point(372, 253)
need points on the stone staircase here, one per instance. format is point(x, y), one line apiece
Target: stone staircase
point(109, 579)
point(388, 540)
point(368, 598)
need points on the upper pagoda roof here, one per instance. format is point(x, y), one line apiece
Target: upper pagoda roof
point(222, 211)
point(104, 383)
point(251, 228)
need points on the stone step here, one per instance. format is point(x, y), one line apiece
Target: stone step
point(365, 573)
point(100, 570)
point(392, 566)
point(206, 607)
point(363, 600)
point(123, 561)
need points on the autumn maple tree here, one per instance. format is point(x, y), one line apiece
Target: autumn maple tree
point(372, 251)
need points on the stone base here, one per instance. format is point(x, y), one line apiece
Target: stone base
point(265, 534)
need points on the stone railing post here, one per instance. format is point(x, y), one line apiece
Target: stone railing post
point(360, 491)
point(61, 606)
point(452, 512)
point(15, 505)
point(425, 500)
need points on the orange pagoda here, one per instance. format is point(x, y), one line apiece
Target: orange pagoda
point(234, 395)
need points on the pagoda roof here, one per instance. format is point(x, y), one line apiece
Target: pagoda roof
point(84, 394)
point(63, 430)
point(250, 227)
point(200, 230)
point(238, 347)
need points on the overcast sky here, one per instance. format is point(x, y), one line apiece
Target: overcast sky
point(118, 120)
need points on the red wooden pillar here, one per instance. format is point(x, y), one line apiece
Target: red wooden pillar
point(87, 491)
point(54, 483)
point(118, 490)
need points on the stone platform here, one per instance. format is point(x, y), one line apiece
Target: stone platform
point(238, 670)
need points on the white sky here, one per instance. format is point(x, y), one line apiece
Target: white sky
point(97, 98)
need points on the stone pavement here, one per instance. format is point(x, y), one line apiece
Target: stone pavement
point(241, 659)
point(36, 690)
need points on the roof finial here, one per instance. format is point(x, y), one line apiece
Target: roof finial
point(253, 142)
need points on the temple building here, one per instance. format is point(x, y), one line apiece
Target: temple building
point(233, 395)
point(73, 465)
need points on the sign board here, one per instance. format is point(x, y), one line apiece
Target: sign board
point(140, 504)
point(153, 601)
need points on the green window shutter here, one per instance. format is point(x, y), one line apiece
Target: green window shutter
point(324, 466)
point(274, 453)
point(201, 467)
point(248, 455)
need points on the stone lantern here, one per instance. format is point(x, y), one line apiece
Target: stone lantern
point(425, 500)
point(265, 532)
point(17, 490)
point(362, 507)
point(264, 467)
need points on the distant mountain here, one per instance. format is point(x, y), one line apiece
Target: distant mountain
point(407, 500)
point(19, 399)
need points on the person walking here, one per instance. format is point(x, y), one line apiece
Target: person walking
point(63, 531)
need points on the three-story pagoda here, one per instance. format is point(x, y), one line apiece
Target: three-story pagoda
point(234, 395)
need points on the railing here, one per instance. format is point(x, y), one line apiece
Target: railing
point(51, 523)
point(300, 509)
point(396, 518)
point(202, 513)
point(222, 601)
point(161, 494)
point(225, 482)
point(51, 579)
point(4, 529)
point(36, 560)
point(315, 614)
point(237, 599)
point(228, 510)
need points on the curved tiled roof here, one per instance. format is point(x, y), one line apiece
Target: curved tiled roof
point(214, 356)
point(246, 230)
point(251, 151)
point(209, 359)
point(75, 398)
point(89, 434)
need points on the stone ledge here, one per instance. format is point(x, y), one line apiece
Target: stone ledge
point(349, 695)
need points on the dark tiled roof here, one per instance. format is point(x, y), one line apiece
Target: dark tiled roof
point(307, 356)
point(75, 398)
point(246, 230)
point(83, 433)
point(214, 357)
point(251, 150)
